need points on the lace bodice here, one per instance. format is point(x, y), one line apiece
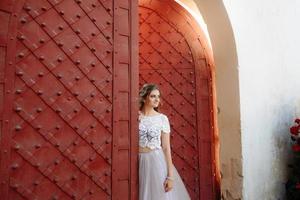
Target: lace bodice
point(150, 128)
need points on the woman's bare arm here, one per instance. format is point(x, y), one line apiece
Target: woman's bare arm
point(165, 141)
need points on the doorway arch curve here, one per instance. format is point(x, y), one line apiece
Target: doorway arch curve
point(222, 39)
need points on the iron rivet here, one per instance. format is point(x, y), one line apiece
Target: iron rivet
point(61, 12)
point(58, 110)
point(92, 126)
point(41, 58)
point(55, 179)
point(23, 20)
point(36, 183)
point(56, 162)
point(21, 37)
point(21, 55)
point(37, 165)
point(59, 59)
point(38, 127)
point(55, 197)
point(18, 127)
point(27, 8)
point(41, 74)
point(59, 76)
point(15, 186)
point(15, 166)
point(43, 24)
point(18, 109)
point(39, 92)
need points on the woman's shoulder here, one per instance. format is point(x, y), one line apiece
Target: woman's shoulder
point(164, 116)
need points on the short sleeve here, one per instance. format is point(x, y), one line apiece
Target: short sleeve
point(165, 124)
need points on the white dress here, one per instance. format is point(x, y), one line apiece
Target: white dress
point(152, 165)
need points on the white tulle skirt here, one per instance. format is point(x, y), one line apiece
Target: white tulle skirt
point(152, 174)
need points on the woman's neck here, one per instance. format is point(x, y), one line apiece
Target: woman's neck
point(148, 111)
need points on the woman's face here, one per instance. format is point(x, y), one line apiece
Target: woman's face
point(153, 99)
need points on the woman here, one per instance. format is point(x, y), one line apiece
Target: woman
point(158, 178)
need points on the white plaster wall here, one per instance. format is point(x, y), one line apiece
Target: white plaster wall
point(267, 37)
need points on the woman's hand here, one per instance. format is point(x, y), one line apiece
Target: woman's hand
point(168, 185)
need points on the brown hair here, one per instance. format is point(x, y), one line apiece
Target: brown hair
point(144, 92)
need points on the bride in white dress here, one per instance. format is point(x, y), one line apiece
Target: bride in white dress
point(158, 177)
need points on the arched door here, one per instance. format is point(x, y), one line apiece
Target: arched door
point(173, 54)
point(68, 96)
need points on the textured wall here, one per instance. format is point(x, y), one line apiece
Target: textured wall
point(267, 41)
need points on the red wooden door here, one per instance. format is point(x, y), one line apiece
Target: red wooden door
point(69, 82)
point(173, 54)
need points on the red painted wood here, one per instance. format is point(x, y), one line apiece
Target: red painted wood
point(125, 100)
point(69, 99)
point(173, 54)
